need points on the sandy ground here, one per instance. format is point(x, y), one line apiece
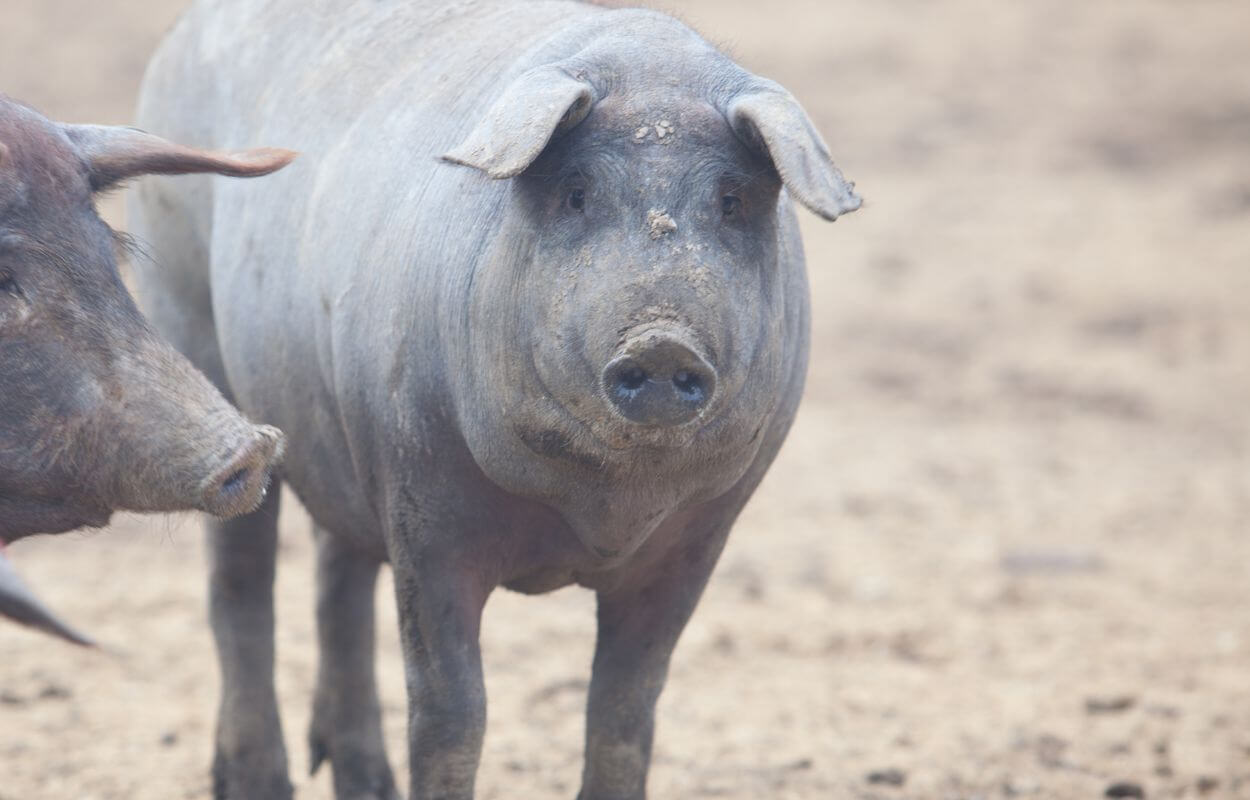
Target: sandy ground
point(1005, 550)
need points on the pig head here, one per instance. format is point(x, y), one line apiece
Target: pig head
point(97, 413)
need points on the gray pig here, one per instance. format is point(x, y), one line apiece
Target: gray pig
point(97, 413)
point(570, 362)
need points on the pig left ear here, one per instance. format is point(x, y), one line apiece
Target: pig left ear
point(18, 603)
point(535, 107)
point(114, 153)
point(768, 119)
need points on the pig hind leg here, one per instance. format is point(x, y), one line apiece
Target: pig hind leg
point(347, 720)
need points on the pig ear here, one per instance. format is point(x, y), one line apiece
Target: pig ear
point(542, 103)
point(768, 119)
point(18, 603)
point(114, 154)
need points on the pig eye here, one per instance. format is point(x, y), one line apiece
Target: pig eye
point(577, 199)
point(9, 286)
point(730, 205)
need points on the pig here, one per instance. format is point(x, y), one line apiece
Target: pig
point(97, 412)
point(532, 312)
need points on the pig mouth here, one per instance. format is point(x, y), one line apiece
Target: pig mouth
point(26, 516)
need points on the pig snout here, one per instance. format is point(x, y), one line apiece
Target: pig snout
point(659, 378)
point(240, 484)
point(178, 443)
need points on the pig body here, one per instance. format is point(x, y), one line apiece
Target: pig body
point(97, 413)
point(532, 312)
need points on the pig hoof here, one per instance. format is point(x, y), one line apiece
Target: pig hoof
point(358, 774)
point(237, 781)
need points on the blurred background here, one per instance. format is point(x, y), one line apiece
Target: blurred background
point(1005, 551)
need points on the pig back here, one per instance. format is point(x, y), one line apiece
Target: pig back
point(337, 290)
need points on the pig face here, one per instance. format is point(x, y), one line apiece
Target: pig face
point(637, 320)
point(96, 413)
point(652, 295)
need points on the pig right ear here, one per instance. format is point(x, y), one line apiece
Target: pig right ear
point(542, 103)
point(113, 154)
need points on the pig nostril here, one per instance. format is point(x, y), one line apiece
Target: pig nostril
point(689, 385)
point(235, 482)
point(632, 379)
point(624, 380)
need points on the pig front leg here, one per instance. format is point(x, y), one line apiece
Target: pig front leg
point(440, 597)
point(346, 723)
point(639, 624)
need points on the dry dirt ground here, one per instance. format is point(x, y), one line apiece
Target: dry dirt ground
point(1005, 550)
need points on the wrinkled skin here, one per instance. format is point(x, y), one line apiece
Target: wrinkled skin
point(533, 311)
point(97, 413)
